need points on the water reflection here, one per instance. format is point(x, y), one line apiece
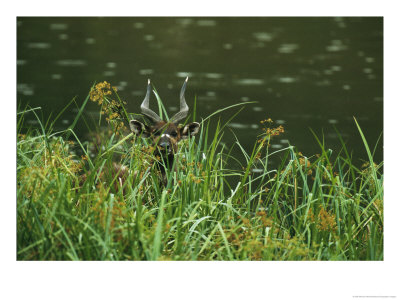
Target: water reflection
point(90, 41)
point(243, 126)
point(263, 36)
point(111, 64)
point(276, 146)
point(63, 36)
point(59, 26)
point(109, 73)
point(336, 45)
point(146, 72)
point(213, 75)
point(287, 79)
point(25, 89)
point(39, 45)
point(249, 81)
point(71, 62)
point(287, 48)
point(206, 23)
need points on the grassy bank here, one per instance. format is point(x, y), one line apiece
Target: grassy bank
point(321, 207)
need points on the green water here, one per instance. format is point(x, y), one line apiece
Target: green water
point(303, 72)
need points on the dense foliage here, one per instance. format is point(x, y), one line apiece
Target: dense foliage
point(70, 207)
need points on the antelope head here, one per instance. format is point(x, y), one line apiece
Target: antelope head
point(165, 134)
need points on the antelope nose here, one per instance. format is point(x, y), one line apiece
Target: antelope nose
point(164, 145)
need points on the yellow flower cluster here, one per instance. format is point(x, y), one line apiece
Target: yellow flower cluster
point(100, 91)
point(269, 120)
point(113, 109)
point(269, 132)
point(194, 178)
point(325, 221)
point(274, 131)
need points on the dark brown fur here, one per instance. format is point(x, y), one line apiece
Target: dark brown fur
point(165, 137)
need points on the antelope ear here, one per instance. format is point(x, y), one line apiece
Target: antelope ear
point(190, 129)
point(139, 128)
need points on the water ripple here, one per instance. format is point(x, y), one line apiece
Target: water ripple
point(263, 36)
point(288, 48)
point(335, 46)
point(25, 89)
point(287, 79)
point(39, 45)
point(213, 75)
point(243, 126)
point(60, 26)
point(71, 62)
point(249, 81)
point(206, 22)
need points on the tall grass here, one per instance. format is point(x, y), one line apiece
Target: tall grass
point(321, 207)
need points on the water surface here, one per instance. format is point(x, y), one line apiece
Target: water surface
point(303, 72)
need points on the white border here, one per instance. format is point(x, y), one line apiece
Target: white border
point(198, 280)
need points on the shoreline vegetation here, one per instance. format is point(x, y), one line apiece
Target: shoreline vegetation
point(321, 207)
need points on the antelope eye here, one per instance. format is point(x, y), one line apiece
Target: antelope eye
point(174, 134)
